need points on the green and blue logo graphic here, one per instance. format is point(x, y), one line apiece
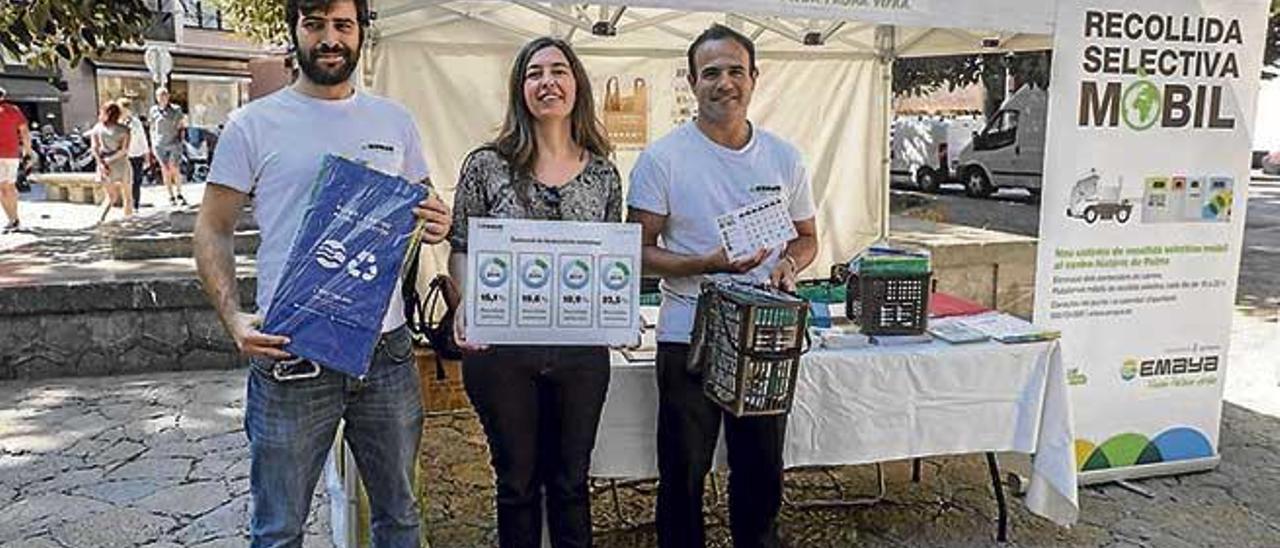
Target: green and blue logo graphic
point(576, 275)
point(1174, 444)
point(1141, 105)
point(616, 276)
point(494, 272)
point(535, 273)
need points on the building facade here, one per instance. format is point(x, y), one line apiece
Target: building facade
point(213, 72)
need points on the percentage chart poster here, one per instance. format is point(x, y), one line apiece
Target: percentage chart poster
point(552, 282)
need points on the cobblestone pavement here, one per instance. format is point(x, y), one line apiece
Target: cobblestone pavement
point(161, 460)
point(67, 222)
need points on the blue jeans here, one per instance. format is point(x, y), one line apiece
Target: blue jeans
point(291, 426)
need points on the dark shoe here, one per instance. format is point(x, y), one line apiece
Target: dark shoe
point(173, 201)
point(182, 200)
point(11, 227)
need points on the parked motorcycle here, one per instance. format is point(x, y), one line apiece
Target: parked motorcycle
point(65, 153)
point(197, 154)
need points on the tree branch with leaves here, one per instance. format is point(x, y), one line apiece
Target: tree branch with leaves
point(259, 20)
point(40, 32)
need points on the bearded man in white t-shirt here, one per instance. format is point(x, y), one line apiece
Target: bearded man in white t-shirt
point(272, 149)
point(680, 184)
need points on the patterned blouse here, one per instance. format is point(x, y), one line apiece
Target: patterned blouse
point(485, 190)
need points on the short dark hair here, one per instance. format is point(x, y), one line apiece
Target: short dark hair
point(294, 9)
point(720, 32)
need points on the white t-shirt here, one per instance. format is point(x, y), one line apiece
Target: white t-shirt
point(137, 138)
point(273, 147)
point(692, 180)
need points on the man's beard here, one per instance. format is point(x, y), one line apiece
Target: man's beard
point(327, 77)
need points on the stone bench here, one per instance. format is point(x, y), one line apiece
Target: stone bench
point(165, 245)
point(995, 269)
point(114, 326)
point(184, 220)
point(81, 188)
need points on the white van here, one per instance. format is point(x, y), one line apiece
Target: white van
point(922, 150)
point(1009, 151)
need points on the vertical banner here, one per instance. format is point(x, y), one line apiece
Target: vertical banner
point(1142, 219)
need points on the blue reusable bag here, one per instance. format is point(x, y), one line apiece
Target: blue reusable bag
point(344, 265)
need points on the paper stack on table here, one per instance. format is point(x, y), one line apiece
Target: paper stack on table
point(954, 331)
point(889, 261)
point(1007, 328)
point(838, 337)
point(899, 340)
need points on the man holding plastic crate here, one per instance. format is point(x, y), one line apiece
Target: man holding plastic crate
point(714, 165)
point(272, 149)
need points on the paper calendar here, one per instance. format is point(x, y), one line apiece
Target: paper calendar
point(763, 225)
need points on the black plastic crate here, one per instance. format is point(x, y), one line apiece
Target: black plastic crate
point(889, 305)
point(747, 343)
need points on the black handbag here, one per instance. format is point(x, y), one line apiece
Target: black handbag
point(420, 317)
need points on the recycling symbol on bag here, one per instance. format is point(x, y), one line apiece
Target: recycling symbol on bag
point(364, 266)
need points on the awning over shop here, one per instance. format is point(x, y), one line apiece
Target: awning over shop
point(182, 64)
point(32, 90)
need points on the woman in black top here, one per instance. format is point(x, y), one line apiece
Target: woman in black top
point(540, 405)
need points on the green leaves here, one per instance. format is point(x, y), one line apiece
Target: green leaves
point(259, 20)
point(924, 75)
point(40, 32)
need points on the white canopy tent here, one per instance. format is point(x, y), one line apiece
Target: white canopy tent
point(825, 76)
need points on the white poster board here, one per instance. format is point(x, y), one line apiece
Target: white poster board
point(1142, 221)
point(552, 282)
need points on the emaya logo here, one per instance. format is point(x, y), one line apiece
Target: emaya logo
point(1129, 370)
point(332, 255)
point(1168, 366)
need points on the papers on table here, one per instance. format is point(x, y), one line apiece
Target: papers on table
point(1007, 328)
point(762, 225)
point(838, 337)
point(955, 332)
point(899, 340)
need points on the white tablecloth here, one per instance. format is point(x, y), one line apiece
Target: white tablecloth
point(889, 403)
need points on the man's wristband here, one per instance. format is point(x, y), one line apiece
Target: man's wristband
point(787, 257)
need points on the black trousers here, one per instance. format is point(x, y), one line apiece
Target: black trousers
point(540, 407)
point(138, 163)
point(688, 427)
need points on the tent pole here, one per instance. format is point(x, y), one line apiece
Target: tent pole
point(885, 55)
